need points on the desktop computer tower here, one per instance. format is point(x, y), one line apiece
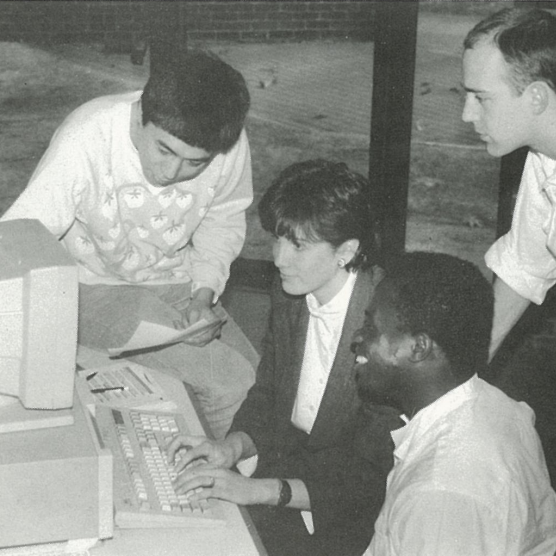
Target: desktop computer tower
point(55, 483)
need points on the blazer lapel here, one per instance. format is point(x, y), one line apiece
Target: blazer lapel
point(340, 400)
point(299, 322)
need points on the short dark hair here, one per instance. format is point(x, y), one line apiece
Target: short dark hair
point(450, 300)
point(326, 201)
point(199, 99)
point(526, 38)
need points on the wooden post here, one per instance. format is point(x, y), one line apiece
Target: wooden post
point(391, 117)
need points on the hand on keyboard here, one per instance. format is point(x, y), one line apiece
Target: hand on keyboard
point(143, 492)
point(186, 451)
point(206, 481)
point(181, 460)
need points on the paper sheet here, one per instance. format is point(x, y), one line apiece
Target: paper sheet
point(150, 334)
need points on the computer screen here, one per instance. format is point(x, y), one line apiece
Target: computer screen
point(38, 320)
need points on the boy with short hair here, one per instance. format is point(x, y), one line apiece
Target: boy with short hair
point(148, 192)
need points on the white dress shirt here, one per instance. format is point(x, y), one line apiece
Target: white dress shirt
point(525, 257)
point(323, 336)
point(469, 479)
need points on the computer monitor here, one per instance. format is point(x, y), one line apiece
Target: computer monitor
point(38, 326)
point(55, 473)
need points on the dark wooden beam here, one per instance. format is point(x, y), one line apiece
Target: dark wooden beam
point(391, 117)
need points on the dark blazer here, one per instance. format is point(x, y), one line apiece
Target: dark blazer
point(346, 458)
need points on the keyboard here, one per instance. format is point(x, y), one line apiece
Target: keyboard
point(143, 492)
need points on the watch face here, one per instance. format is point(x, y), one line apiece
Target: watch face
point(285, 493)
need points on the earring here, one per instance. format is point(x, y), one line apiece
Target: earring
point(341, 263)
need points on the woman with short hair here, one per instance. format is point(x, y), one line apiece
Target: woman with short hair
point(321, 463)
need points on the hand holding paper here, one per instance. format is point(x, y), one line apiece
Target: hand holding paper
point(200, 309)
point(150, 334)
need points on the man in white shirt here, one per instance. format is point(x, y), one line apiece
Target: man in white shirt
point(469, 476)
point(509, 74)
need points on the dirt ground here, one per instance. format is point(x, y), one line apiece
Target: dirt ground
point(452, 195)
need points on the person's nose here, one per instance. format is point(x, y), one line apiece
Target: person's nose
point(172, 169)
point(280, 252)
point(470, 112)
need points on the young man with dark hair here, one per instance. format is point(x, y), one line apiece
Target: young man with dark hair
point(148, 191)
point(509, 74)
point(469, 476)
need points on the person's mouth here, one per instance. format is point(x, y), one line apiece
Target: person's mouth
point(159, 182)
point(361, 360)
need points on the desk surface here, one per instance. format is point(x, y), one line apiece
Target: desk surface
point(237, 538)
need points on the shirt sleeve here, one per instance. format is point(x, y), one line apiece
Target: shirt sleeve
point(439, 522)
point(219, 238)
point(52, 194)
point(525, 257)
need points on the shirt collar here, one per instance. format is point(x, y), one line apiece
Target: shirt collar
point(424, 419)
point(547, 166)
point(337, 305)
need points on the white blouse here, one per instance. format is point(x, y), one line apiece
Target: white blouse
point(323, 336)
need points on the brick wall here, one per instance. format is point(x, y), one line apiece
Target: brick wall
point(250, 21)
point(113, 21)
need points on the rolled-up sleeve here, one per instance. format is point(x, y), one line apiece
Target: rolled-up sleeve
point(525, 257)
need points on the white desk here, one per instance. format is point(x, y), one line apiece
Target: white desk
point(237, 538)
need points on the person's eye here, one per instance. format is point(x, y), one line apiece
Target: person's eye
point(196, 163)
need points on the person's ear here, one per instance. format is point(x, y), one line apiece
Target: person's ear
point(348, 249)
point(539, 93)
point(422, 347)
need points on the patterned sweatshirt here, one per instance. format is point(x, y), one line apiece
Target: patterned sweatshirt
point(89, 190)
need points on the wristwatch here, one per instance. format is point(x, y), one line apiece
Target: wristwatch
point(285, 493)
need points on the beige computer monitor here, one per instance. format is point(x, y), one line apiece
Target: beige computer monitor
point(38, 325)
